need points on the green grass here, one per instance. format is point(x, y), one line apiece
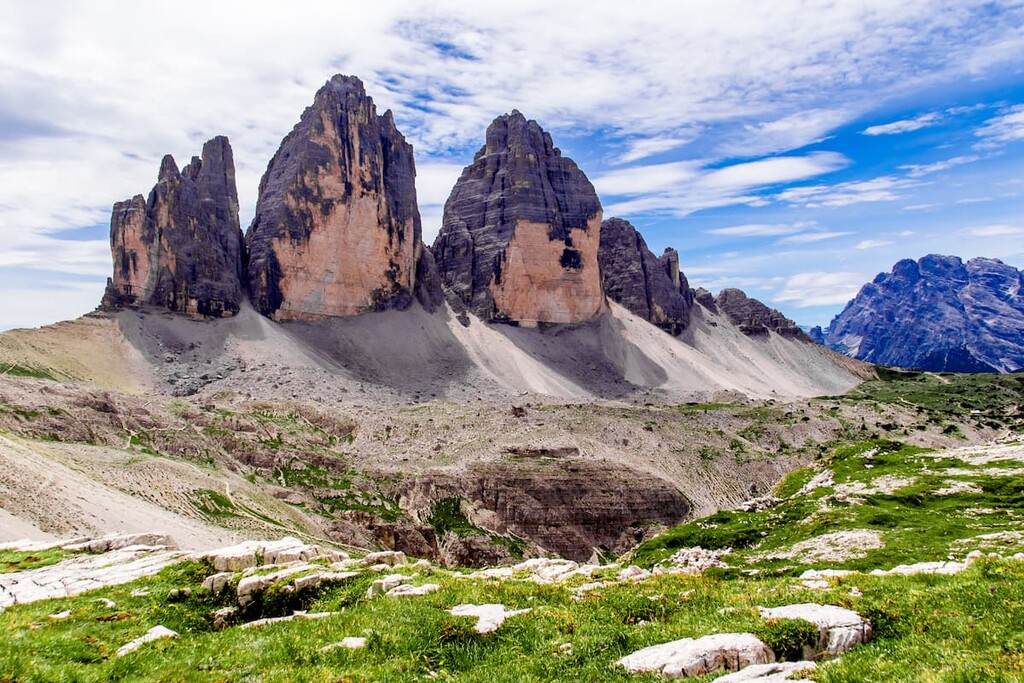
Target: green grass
point(983, 398)
point(914, 522)
point(19, 561)
point(14, 370)
point(959, 628)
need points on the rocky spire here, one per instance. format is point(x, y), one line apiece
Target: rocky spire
point(521, 229)
point(650, 287)
point(337, 228)
point(182, 247)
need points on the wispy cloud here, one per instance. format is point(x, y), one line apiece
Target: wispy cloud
point(804, 290)
point(641, 148)
point(811, 237)
point(871, 244)
point(903, 125)
point(882, 189)
point(681, 188)
point(999, 130)
point(918, 170)
point(759, 229)
point(997, 230)
point(790, 132)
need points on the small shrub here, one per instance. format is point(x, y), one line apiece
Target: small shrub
point(788, 637)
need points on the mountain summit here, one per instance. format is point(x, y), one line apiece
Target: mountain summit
point(938, 314)
point(337, 228)
point(521, 231)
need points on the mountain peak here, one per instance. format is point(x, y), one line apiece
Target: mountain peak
point(939, 314)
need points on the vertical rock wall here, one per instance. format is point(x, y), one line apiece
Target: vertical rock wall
point(337, 228)
point(182, 247)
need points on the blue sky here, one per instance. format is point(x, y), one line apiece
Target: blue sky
point(793, 149)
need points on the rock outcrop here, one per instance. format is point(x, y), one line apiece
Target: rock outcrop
point(937, 314)
point(571, 506)
point(182, 247)
point(521, 230)
point(650, 287)
point(753, 317)
point(337, 227)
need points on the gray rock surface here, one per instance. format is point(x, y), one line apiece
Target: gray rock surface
point(337, 228)
point(753, 317)
point(85, 573)
point(181, 248)
point(158, 632)
point(696, 657)
point(489, 617)
point(937, 314)
point(650, 287)
point(767, 673)
point(520, 231)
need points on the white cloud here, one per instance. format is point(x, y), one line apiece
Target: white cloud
point(47, 301)
point(787, 133)
point(1007, 127)
point(997, 230)
point(871, 244)
point(804, 290)
point(638, 180)
point(641, 148)
point(918, 170)
point(904, 125)
point(759, 230)
point(775, 170)
point(681, 188)
point(882, 189)
point(434, 182)
point(811, 237)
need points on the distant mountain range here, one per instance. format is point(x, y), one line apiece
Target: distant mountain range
point(937, 314)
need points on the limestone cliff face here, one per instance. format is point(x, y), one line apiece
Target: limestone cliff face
point(182, 247)
point(337, 228)
point(521, 231)
point(650, 287)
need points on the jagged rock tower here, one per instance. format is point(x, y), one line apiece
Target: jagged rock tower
point(521, 230)
point(337, 228)
point(650, 287)
point(182, 247)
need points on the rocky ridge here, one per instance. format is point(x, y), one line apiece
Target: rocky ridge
point(938, 314)
point(650, 287)
point(181, 248)
point(520, 233)
point(753, 317)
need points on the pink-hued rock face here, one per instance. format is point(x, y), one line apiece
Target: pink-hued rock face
point(536, 287)
point(337, 229)
point(521, 231)
point(181, 248)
